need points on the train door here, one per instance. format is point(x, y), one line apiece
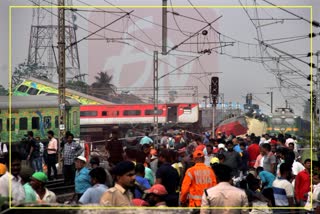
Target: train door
point(172, 116)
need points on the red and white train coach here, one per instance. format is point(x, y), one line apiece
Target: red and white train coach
point(95, 115)
point(97, 120)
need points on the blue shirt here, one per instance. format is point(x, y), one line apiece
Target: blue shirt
point(82, 180)
point(143, 182)
point(146, 140)
point(93, 194)
point(237, 148)
point(267, 178)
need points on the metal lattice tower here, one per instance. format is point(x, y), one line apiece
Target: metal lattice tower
point(44, 39)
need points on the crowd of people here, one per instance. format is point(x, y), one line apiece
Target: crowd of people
point(220, 174)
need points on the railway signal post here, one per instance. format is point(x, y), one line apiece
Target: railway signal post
point(214, 93)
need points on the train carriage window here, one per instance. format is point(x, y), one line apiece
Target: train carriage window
point(56, 122)
point(151, 112)
point(75, 118)
point(115, 113)
point(0, 124)
point(88, 113)
point(187, 110)
point(33, 91)
point(13, 124)
point(43, 92)
point(131, 112)
point(104, 113)
point(35, 123)
point(23, 88)
point(23, 123)
point(47, 122)
point(276, 121)
point(289, 121)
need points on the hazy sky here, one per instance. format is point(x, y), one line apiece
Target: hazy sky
point(131, 64)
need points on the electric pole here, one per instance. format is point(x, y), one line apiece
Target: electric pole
point(155, 92)
point(164, 27)
point(62, 68)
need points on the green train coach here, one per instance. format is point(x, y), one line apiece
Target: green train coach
point(38, 114)
point(284, 121)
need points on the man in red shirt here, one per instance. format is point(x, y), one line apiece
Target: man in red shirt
point(302, 184)
point(253, 151)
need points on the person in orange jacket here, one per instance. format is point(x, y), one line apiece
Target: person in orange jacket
point(196, 180)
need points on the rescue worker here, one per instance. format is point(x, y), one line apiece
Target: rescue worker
point(196, 180)
point(120, 195)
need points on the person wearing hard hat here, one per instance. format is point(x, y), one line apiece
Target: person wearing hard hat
point(156, 195)
point(38, 181)
point(196, 180)
point(3, 169)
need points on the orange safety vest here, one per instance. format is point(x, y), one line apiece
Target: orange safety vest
point(196, 180)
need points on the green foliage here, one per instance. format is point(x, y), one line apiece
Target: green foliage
point(78, 86)
point(25, 70)
point(102, 87)
point(3, 91)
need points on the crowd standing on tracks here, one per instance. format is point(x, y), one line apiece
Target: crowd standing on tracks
point(181, 169)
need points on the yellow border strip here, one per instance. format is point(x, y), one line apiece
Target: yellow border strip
point(135, 6)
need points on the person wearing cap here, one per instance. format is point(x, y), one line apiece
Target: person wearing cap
point(120, 195)
point(43, 195)
point(214, 161)
point(70, 151)
point(196, 180)
point(3, 169)
point(94, 193)
point(82, 179)
point(156, 195)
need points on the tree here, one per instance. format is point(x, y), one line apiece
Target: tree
point(3, 91)
point(78, 86)
point(25, 71)
point(102, 87)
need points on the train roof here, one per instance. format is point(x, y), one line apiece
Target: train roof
point(34, 101)
point(53, 85)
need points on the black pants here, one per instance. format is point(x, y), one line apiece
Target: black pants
point(52, 160)
point(69, 174)
point(172, 200)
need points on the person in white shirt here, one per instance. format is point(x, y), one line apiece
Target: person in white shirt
point(17, 190)
point(3, 151)
point(52, 150)
point(315, 205)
